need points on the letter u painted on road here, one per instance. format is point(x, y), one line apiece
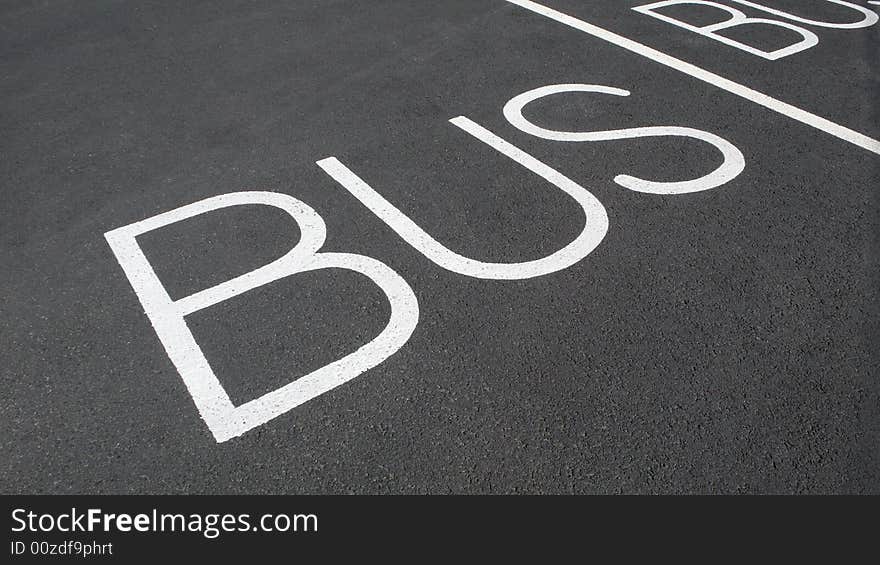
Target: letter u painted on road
point(225, 420)
point(594, 230)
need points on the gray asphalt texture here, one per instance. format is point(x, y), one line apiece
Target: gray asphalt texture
point(716, 342)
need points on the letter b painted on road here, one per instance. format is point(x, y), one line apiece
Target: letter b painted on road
point(225, 420)
point(736, 18)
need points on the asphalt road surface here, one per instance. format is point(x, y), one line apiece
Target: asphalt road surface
point(714, 336)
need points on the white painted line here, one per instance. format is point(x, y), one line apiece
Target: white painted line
point(752, 95)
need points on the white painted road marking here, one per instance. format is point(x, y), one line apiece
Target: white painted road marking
point(225, 420)
point(168, 316)
point(595, 217)
point(869, 18)
point(745, 92)
point(737, 19)
point(733, 164)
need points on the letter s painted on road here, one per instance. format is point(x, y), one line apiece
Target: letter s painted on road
point(733, 164)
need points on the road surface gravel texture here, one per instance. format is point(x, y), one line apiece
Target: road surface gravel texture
point(718, 339)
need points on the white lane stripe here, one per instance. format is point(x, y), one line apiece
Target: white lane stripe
point(752, 95)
